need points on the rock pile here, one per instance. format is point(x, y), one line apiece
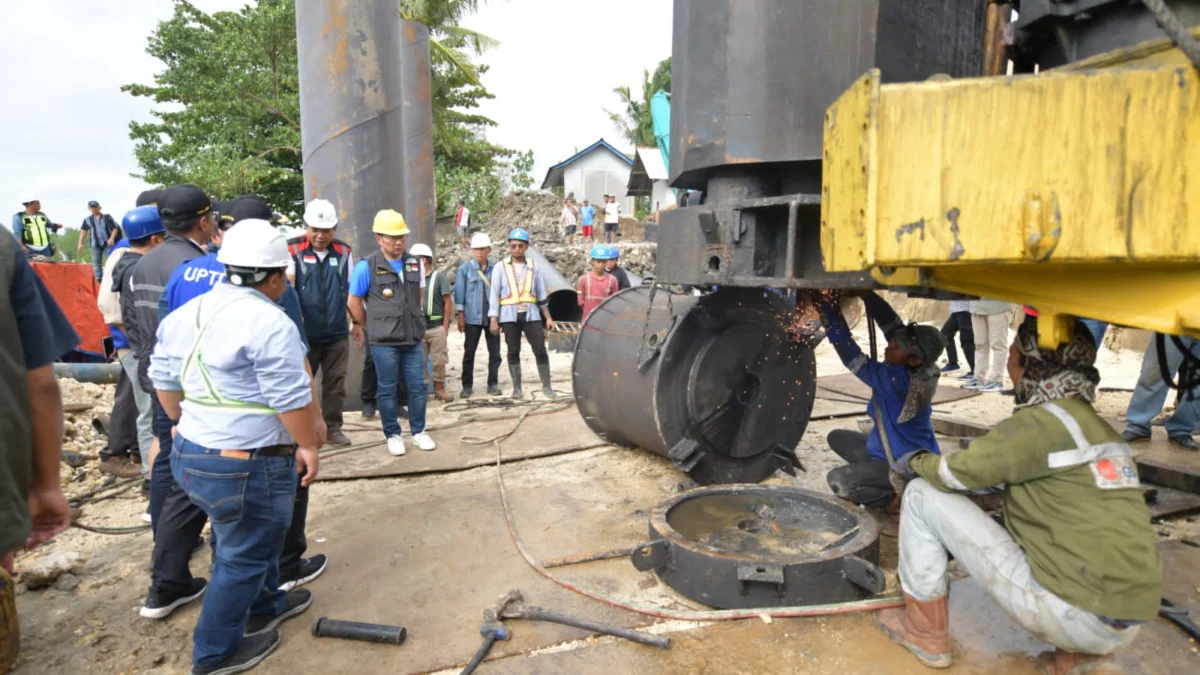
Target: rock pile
point(80, 436)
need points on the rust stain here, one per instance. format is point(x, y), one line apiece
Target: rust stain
point(336, 61)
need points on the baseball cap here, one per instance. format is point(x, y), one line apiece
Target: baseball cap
point(243, 208)
point(180, 204)
point(93, 204)
point(148, 197)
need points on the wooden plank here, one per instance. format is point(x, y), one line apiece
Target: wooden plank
point(1168, 475)
point(1171, 502)
point(954, 426)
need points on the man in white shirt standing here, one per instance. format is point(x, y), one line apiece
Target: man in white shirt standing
point(462, 222)
point(612, 218)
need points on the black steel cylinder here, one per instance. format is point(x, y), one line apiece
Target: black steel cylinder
point(714, 383)
point(354, 630)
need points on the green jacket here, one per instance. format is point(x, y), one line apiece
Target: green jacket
point(1071, 500)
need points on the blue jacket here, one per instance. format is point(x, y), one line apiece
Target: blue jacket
point(470, 287)
point(200, 275)
point(324, 286)
point(888, 383)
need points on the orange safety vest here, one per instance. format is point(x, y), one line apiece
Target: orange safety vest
point(522, 296)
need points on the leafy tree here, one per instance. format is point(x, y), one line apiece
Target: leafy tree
point(635, 122)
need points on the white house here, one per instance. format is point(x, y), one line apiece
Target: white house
point(597, 170)
point(649, 179)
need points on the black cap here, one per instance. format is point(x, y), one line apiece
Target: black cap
point(180, 204)
point(148, 197)
point(93, 204)
point(244, 208)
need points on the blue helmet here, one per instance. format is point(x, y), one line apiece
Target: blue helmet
point(141, 222)
point(519, 234)
point(601, 252)
point(614, 253)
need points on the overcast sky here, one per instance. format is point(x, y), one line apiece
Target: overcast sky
point(64, 134)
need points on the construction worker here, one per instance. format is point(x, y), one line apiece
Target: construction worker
point(32, 228)
point(102, 233)
point(472, 285)
point(437, 302)
point(1074, 560)
point(322, 278)
point(519, 302)
point(613, 265)
point(229, 366)
point(385, 299)
point(598, 285)
point(902, 389)
point(33, 334)
point(145, 230)
point(1151, 391)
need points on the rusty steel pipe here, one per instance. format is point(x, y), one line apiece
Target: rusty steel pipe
point(996, 37)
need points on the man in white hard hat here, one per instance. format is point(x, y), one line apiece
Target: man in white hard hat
point(32, 229)
point(229, 365)
point(322, 278)
point(438, 306)
point(472, 284)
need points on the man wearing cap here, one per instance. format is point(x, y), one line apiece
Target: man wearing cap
point(518, 301)
point(32, 228)
point(385, 299)
point(101, 232)
point(322, 278)
point(438, 305)
point(472, 285)
point(247, 427)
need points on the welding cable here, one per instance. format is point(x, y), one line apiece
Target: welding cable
point(111, 530)
point(678, 615)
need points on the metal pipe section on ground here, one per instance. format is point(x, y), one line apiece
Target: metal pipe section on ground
point(714, 383)
point(94, 373)
point(564, 301)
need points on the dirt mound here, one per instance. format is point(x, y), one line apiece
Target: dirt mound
point(537, 212)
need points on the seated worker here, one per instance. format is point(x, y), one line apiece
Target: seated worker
point(1074, 562)
point(902, 389)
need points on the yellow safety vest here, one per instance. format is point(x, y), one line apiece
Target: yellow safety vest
point(430, 289)
point(518, 296)
point(35, 233)
point(212, 397)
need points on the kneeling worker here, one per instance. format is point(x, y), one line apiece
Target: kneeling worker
point(1075, 560)
point(517, 298)
point(229, 365)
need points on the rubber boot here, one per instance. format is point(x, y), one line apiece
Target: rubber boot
point(923, 628)
point(439, 391)
point(544, 374)
point(1060, 662)
point(514, 370)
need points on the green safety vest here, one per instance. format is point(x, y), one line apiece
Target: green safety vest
point(430, 289)
point(212, 397)
point(35, 233)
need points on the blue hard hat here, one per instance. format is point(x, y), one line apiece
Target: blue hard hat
point(142, 222)
point(519, 234)
point(600, 252)
point(614, 253)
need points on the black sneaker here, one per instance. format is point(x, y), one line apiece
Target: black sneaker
point(161, 601)
point(309, 569)
point(466, 392)
point(368, 411)
point(146, 488)
point(1131, 436)
point(249, 654)
point(294, 604)
point(1185, 441)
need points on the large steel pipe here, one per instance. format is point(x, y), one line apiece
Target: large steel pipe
point(714, 383)
point(564, 301)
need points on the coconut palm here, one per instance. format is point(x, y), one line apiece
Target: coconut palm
point(449, 42)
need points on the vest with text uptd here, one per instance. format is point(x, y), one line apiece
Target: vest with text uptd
point(323, 286)
point(36, 232)
point(16, 461)
point(394, 314)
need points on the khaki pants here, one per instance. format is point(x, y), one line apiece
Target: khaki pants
point(10, 631)
point(435, 347)
point(991, 345)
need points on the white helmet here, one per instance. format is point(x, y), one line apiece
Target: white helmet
point(321, 214)
point(421, 250)
point(481, 240)
point(254, 244)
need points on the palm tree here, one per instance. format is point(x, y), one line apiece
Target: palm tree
point(449, 42)
point(635, 122)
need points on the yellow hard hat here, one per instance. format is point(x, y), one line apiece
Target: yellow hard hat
point(390, 222)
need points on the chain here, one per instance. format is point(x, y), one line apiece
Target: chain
point(1175, 29)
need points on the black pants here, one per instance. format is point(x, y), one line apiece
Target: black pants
point(370, 384)
point(960, 322)
point(493, 348)
point(330, 360)
point(534, 335)
point(864, 479)
point(122, 422)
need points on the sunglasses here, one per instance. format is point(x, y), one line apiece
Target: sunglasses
point(517, 244)
point(393, 238)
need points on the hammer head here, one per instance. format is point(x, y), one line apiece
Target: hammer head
point(491, 616)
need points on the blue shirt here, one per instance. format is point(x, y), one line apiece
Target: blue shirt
point(200, 275)
point(251, 352)
point(499, 289)
point(588, 213)
point(46, 334)
point(360, 278)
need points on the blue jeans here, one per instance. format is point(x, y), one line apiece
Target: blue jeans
point(1097, 329)
point(1151, 392)
point(98, 261)
point(389, 363)
point(249, 503)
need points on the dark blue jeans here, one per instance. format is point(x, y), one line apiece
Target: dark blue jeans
point(249, 502)
point(390, 363)
point(98, 261)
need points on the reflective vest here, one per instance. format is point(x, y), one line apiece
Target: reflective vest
point(212, 397)
point(35, 233)
point(518, 296)
point(430, 305)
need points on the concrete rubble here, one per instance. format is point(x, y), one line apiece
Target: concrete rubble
point(49, 568)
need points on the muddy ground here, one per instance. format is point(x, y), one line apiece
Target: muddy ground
point(431, 551)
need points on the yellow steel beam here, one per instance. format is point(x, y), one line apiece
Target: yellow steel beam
point(1076, 190)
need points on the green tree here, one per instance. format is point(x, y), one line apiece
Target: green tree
point(635, 122)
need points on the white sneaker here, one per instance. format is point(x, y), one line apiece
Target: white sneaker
point(395, 446)
point(424, 442)
point(991, 385)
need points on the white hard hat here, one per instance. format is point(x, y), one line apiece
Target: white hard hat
point(421, 249)
point(321, 214)
point(29, 198)
point(254, 244)
point(481, 240)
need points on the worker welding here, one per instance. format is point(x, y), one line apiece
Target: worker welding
point(347, 337)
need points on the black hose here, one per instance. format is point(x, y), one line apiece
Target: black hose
point(355, 630)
